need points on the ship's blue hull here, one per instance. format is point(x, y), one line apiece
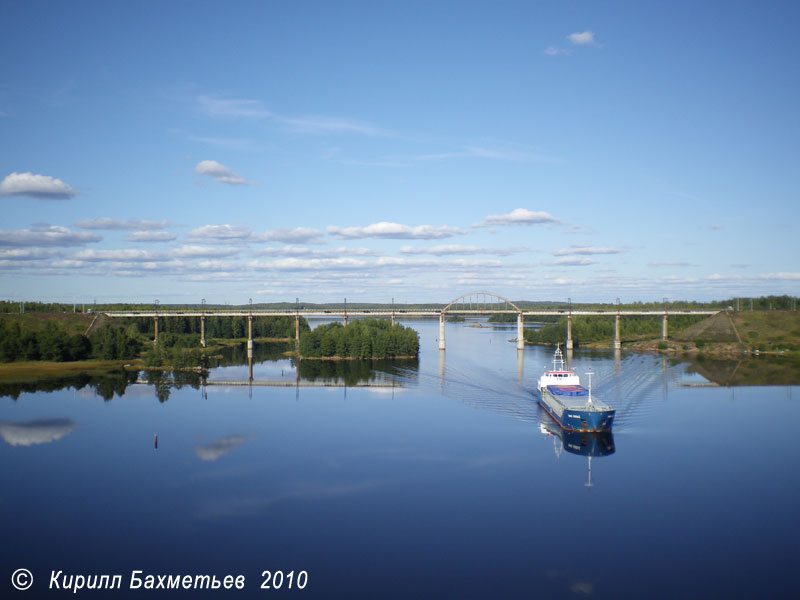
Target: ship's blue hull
point(574, 419)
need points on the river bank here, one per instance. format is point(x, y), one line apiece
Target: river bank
point(726, 334)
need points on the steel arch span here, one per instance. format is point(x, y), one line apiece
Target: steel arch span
point(479, 299)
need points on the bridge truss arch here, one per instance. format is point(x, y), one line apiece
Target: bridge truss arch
point(481, 302)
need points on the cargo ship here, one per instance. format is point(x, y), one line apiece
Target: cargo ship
point(569, 403)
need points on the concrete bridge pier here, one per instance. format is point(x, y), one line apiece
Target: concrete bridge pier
point(394, 321)
point(155, 336)
point(441, 331)
point(203, 331)
point(297, 329)
point(569, 332)
point(250, 337)
point(520, 332)
point(617, 340)
point(665, 328)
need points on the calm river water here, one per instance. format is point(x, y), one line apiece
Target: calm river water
point(447, 481)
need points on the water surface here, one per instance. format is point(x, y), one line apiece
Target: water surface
point(449, 482)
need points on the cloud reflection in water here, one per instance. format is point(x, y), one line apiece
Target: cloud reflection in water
point(219, 447)
point(38, 431)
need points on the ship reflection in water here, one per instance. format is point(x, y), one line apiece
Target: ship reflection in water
point(589, 445)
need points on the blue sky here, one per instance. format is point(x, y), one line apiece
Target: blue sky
point(415, 150)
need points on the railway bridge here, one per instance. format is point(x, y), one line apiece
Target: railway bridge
point(472, 304)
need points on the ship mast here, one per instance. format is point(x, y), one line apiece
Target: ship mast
point(558, 360)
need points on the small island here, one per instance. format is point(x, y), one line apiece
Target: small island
point(361, 339)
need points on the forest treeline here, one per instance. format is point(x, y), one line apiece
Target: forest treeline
point(54, 343)
point(362, 338)
point(594, 329)
point(126, 339)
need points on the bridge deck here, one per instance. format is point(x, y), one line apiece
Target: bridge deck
point(398, 313)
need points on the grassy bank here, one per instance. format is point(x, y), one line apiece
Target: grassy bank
point(72, 322)
point(40, 369)
point(726, 333)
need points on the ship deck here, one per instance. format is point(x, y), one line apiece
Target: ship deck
point(570, 397)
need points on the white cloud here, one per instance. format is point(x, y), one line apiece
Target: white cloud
point(518, 216)
point(151, 236)
point(120, 224)
point(392, 261)
point(301, 251)
point(582, 38)
point(28, 254)
point(239, 233)
point(309, 264)
point(480, 152)
point(570, 261)
point(35, 186)
point(128, 255)
point(585, 250)
point(254, 109)
point(301, 235)
point(220, 173)
point(386, 230)
point(329, 125)
point(329, 267)
point(670, 263)
point(192, 251)
point(457, 249)
point(781, 276)
point(232, 107)
point(46, 236)
point(220, 233)
point(553, 51)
